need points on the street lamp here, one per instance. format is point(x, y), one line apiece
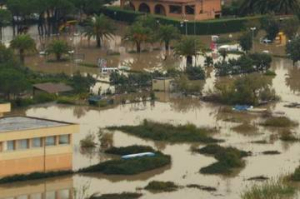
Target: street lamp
point(252, 30)
point(186, 26)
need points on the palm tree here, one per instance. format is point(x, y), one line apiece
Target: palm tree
point(138, 34)
point(167, 33)
point(23, 43)
point(100, 27)
point(189, 47)
point(58, 48)
point(286, 6)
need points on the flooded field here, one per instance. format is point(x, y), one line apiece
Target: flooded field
point(185, 165)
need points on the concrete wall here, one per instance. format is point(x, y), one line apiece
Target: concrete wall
point(4, 108)
point(162, 85)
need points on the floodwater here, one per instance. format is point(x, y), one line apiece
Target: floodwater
point(185, 165)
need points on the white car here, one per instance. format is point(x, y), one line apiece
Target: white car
point(265, 41)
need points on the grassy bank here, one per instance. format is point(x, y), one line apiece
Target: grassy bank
point(168, 132)
point(228, 158)
point(129, 166)
point(270, 190)
point(34, 176)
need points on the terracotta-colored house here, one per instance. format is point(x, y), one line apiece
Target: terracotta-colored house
point(180, 9)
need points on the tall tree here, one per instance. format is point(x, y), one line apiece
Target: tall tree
point(12, 81)
point(5, 19)
point(189, 47)
point(58, 48)
point(138, 34)
point(23, 43)
point(99, 27)
point(246, 41)
point(293, 49)
point(167, 33)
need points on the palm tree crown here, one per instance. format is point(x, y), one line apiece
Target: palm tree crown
point(99, 27)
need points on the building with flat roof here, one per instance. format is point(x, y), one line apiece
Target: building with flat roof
point(180, 9)
point(30, 144)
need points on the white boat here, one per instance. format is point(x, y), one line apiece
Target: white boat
point(145, 154)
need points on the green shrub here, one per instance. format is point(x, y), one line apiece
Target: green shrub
point(85, 64)
point(168, 132)
point(270, 73)
point(66, 100)
point(129, 150)
point(296, 175)
point(88, 141)
point(269, 190)
point(279, 122)
point(159, 186)
point(34, 176)
point(129, 166)
point(22, 102)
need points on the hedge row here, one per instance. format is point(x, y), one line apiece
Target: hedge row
point(209, 27)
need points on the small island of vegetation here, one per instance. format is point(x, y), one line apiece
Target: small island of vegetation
point(130, 166)
point(168, 132)
point(228, 158)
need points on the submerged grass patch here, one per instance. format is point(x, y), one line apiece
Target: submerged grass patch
point(270, 190)
point(296, 175)
point(129, 166)
point(125, 195)
point(245, 128)
point(288, 137)
point(168, 132)
point(228, 158)
point(160, 186)
point(279, 122)
point(129, 150)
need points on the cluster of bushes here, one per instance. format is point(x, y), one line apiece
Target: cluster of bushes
point(228, 159)
point(248, 63)
point(34, 176)
point(217, 26)
point(159, 186)
point(280, 121)
point(129, 166)
point(168, 132)
point(296, 175)
point(129, 150)
point(251, 89)
point(37, 99)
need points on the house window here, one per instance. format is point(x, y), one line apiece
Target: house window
point(50, 141)
point(23, 144)
point(64, 139)
point(190, 10)
point(10, 145)
point(175, 9)
point(36, 142)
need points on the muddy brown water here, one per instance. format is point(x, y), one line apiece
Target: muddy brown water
point(185, 165)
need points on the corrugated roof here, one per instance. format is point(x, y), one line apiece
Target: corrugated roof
point(53, 87)
point(8, 124)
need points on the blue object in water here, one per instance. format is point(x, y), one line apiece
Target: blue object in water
point(146, 154)
point(241, 107)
